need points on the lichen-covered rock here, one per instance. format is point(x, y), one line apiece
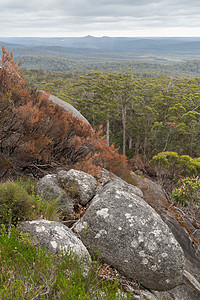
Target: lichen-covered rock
point(132, 237)
point(122, 185)
point(48, 188)
point(54, 236)
point(69, 187)
point(84, 184)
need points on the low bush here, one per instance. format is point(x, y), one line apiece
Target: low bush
point(18, 202)
point(15, 203)
point(187, 191)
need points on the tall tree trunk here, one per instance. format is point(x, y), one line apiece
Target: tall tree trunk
point(131, 129)
point(107, 131)
point(124, 127)
point(130, 144)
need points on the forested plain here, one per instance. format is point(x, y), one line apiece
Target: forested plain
point(146, 69)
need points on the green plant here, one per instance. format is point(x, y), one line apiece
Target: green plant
point(46, 209)
point(187, 191)
point(15, 203)
point(86, 232)
point(170, 164)
point(27, 272)
point(18, 202)
point(28, 183)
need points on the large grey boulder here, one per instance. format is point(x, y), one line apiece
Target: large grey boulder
point(105, 177)
point(132, 237)
point(67, 107)
point(185, 233)
point(55, 236)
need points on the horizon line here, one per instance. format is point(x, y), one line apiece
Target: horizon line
point(103, 36)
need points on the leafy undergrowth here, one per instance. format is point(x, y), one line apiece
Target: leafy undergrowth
point(18, 202)
point(27, 272)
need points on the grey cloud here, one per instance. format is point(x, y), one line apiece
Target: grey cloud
point(68, 15)
point(84, 7)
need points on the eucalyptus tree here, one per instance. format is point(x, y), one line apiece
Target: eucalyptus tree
point(123, 94)
point(95, 99)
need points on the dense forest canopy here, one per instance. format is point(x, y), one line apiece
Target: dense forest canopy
point(142, 115)
point(140, 68)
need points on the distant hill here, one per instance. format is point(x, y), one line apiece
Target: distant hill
point(109, 43)
point(141, 56)
point(107, 48)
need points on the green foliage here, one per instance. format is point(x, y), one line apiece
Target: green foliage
point(45, 209)
point(187, 191)
point(19, 202)
point(28, 272)
point(170, 164)
point(15, 203)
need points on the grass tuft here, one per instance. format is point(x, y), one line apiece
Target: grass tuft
point(27, 272)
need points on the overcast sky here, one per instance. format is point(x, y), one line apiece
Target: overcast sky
point(99, 18)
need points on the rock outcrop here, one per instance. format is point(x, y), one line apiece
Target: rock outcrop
point(69, 187)
point(132, 237)
point(68, 107)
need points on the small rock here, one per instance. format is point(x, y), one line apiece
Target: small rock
point(48, 189)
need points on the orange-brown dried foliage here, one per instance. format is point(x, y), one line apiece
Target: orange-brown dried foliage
point(36, 132)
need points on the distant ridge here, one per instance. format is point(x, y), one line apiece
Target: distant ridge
point(105, 42)
point(102, 49)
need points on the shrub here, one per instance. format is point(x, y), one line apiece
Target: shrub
point(170, 164)
point(19, 202)
point(15, 203)
point(187, 191)
point(101, 156)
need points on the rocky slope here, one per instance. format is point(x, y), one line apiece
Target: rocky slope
point(153, 248)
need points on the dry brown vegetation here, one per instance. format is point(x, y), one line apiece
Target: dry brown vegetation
point(37, 136)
